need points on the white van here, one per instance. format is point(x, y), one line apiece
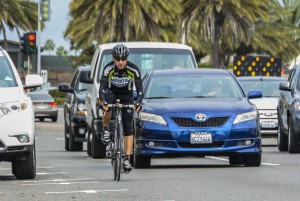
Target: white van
point(147, 56)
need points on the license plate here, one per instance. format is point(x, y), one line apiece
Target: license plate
point(201, 138)
point(41, 107)
point(268, 124)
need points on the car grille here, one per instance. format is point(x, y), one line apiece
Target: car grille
point(211, 122)
point(189, 145)
point(267, 114)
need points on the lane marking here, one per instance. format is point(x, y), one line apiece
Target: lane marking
point(58, 180)
point(87, 191)
point(224, 159)
point(61, 183)
point(50, 173)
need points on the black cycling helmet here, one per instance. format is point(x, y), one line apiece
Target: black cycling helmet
point(120, 51)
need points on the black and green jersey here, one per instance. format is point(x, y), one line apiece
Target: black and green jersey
point(121, 81)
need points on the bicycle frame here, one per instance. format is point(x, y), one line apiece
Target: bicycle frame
point(117, 144)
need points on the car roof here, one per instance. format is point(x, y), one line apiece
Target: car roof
point(190, 71)
point(261, 78)
point(144, 44)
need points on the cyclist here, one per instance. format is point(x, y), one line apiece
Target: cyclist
point(117, 82)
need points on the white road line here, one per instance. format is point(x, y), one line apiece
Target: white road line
point(61, 183)
point(59, 138)
point(58, 180)
point(87, 191)
point(47, 173)
point(224, 159)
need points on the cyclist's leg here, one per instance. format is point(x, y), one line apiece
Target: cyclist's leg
point(105, 135)
point(128, 131)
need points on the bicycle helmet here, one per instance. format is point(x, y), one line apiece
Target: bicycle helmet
point(120, 51)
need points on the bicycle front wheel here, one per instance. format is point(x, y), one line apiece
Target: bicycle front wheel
point(119, 153)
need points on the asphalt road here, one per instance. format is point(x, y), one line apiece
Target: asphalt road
point(73, 176)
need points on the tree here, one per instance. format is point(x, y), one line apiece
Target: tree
point(214, 16)
point(61, 51)
point(49, 45)
point(120, 20)
point(19, 15)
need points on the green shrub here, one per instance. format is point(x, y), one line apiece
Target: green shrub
point(58, 96)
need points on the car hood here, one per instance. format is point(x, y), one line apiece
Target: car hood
point(219, 105)
point(81, 95)
point(265, 102)
point(9, 94)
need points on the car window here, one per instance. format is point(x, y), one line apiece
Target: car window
point(7, 78)
point(191, 85)
point(40, 96)
point(269, 88)
point(148, 59)
point(80, 86)
point(298, 81)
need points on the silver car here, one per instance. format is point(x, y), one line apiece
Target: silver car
point(267, 105)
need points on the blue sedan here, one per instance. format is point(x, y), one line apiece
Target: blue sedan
point(197, 112)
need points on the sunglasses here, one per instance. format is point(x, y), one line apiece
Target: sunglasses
point(120, 58)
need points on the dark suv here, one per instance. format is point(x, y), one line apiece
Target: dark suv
point(289, 113)
point(74, 111)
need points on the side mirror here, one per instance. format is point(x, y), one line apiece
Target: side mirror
point(65, 87)
point(285, 86)
point(254, 94)
point(33, 81)
point(84, 77)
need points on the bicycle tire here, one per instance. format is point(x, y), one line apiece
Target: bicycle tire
point(119, 148)
point(114, 152)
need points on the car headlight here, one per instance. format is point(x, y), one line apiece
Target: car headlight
point(245, 117)
point(297, 106)
point(80, 109)
point(6, 108)
point(143, 116)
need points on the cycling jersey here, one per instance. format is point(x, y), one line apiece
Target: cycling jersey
point(120, 81)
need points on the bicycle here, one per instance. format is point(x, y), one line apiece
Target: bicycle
point(116, 147)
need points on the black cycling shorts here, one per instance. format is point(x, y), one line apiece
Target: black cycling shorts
point(127, 113)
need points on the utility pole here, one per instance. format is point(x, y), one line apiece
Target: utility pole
point(39, 40)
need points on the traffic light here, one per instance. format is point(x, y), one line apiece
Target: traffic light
point(28, 43)
point(24, 44)
point(31, 42)
point(45, 10)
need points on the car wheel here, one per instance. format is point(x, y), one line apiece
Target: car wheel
point(25, 169)
point(42, 119)
point(88, 144)
point(282, 139)
point(142, 161)
point(54, 119)
point(236, 160)
point(98, 149)
point(67, 148)
point(74, 146)
point(252, 160)
point(293, 146)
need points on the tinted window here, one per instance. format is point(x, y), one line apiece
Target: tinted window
point(154, 59)
point(193, 85)
point(7, 78)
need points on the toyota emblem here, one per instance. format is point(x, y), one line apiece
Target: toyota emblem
point(200, 117)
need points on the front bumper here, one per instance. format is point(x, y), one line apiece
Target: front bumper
point(15, 152)
point(79, 128)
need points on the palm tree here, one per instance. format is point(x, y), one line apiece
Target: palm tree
point(214, 16)
point(61, 51)
point(120, 20)
point(19, 15)
point(49, 45)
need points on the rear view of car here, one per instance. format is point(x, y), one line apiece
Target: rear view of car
point(44, 106)
point(17, 139)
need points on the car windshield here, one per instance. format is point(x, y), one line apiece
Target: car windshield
point(7, 78)
point(269, 88)
point(40, 97)
point(193, 85)
point(154, 59)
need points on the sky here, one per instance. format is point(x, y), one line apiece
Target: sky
point(54, 28)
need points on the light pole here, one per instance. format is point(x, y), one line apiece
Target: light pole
point(39, 40)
